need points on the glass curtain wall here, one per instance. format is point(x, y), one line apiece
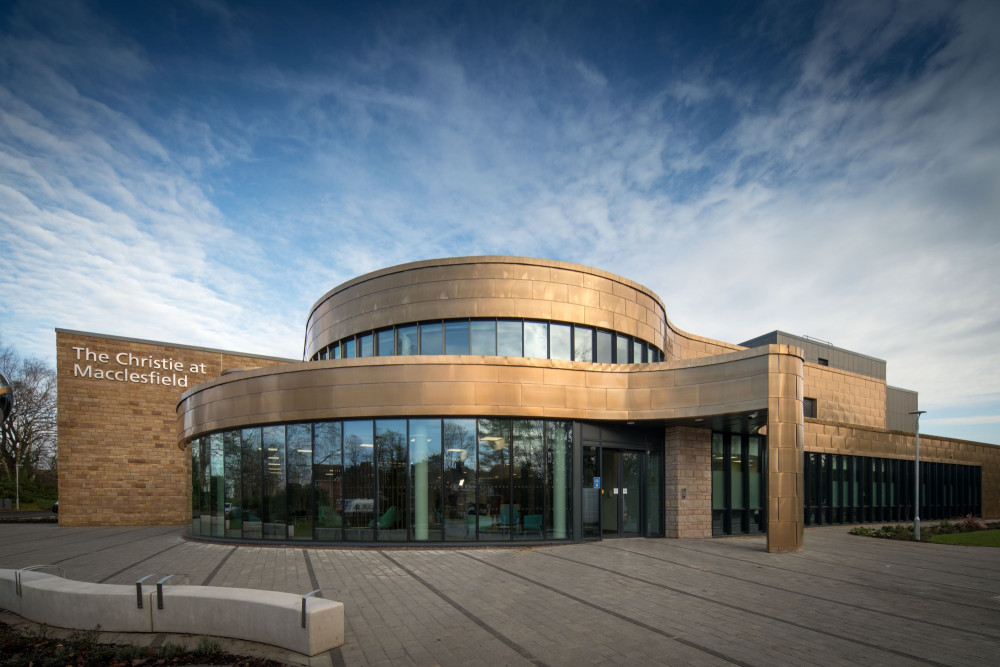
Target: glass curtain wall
point(841, 488)
point(393, 480)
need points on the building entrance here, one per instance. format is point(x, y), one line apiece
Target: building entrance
point(621, 493)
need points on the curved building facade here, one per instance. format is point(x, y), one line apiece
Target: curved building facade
point(506, 399)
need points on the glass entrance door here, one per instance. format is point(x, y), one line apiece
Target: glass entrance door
point(621, 493)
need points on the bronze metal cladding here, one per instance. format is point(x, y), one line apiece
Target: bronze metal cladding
point(481, 386)
point(504, 287)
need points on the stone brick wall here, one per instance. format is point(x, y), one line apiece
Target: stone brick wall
point(119, 463)
point(846, 397)
point(840, 438)
point(688, 482)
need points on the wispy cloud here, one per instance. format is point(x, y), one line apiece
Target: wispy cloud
point(843, 184)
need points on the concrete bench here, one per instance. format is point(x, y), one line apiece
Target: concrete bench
point(267, 617)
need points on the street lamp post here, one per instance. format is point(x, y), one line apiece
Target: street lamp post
point(916, 481)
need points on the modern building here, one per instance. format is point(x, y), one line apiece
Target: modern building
point(498, 400)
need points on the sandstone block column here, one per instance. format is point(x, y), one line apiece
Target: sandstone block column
point(785, 440)
point(688, 482)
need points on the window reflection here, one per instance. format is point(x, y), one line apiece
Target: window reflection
point(274, 483)
point(406, 340)
point(621, 349)
point(604, 347)
point(494, 480)
point(430, 339)
point(425, 479)
point(366, 346)
point(232, 473)
point(484, 337)
point(488, 337)
point(560, 341)
point(359, 481)
point(299, 470)
point(583, 344)
point(509, 341)
point(385, 343)
point(390, 520)
point(536, 340)
point(251, 460)
point(328, 469)
point(461, 511)
point(456, 337)
point(525, 517)
point(387, 480)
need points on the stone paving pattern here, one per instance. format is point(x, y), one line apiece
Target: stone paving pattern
point(841, 600)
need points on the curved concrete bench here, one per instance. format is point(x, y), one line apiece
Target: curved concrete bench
point(267, 617)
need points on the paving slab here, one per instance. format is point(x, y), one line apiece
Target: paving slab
point(842, 599)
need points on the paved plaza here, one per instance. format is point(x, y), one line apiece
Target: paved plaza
point(841, 600)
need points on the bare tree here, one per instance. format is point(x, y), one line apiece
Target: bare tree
point(28, 436)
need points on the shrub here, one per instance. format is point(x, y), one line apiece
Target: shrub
point(207, 648)
point(970, 523)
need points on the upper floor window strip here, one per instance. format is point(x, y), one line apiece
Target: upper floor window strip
point(536, 339)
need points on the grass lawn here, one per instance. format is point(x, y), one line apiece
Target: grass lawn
point(976, 538)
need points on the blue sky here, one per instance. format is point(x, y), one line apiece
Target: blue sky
point(201, 172)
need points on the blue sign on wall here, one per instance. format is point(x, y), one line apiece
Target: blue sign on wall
point(597, 482)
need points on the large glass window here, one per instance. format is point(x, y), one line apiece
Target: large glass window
point(484, 337)
point(232, 473)
point(300, 497)
point(460, 509)
point(388, 480)
point(328, 474)
point(509, 341)
point(425, 479)
point(524, 518)
point(431, 341)
point(456, 337)
point(539, 339)
point(494, 478)
point(251, 462)
point(536, 340)
point(275, 488)
point(390, 448)
point(359, 481)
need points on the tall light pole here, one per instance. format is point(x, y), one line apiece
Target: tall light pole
point(916, 481)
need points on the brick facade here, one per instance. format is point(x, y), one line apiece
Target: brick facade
point(119, 463)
